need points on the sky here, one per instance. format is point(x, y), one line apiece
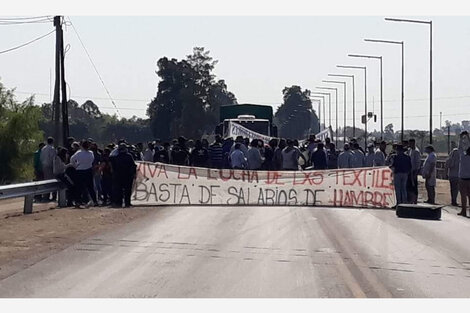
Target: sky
point(258, 56)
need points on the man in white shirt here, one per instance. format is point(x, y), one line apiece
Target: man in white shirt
point(415, 156)
point(237, 158)
point(380, 154)
point(48, 154)
point(82, 160)
point(344, 158)
point(149, 152)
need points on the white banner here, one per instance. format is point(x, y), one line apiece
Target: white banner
point(164, 184)
point(327, 132)
point(235, 130)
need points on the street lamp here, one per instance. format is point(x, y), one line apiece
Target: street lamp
point(321, 112)
point(430, 64)
point(329, 105)
point(402, 43)
point(344, 104)
point(381, 88)
point(319, 104)
point(336, 114)
point(353, 98)
point(364, 68)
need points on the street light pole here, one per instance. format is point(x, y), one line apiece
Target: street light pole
point(381, 88)
point(320, 112)
point(353, 99)
point(319, 104)
point(402, 43)
point(344, 104)
point(364, 68)
point(430, 64)
point(336, 114)
point(329, 106)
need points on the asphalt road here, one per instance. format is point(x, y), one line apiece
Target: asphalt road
point(260, 252)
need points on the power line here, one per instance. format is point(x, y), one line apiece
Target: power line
point(94, 67)
point(25, 44)
point(24, 18)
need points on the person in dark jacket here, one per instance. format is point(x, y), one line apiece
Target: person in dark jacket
point(199, 157)
point(401, 167)
point(123, 171)
point(319, 158)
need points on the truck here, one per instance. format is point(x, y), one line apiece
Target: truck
point(255, 117)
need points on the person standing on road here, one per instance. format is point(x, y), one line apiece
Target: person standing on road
point(319, 158)
point(48, 154)
point(464, 171)
point(380, 154)
point(344, 158)
point(357, 156)
point(216, 153)
point(124, 170)
point(452, 168)
point(332, 156)
point(38, 174)
point(82, 160)
point(149, 152)
point(415, 156)
point(237, 158)
point(277, 158)
point(370, 157)
point(253, 156)
point(429, 174)
point(290, 157)
point(401, 169)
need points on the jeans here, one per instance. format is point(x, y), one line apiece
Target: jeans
point(399, 181)
point(454, 188)
point(431, 192)
point(84, 183)
point(464, 185)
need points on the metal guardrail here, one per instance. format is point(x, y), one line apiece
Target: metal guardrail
point(29, 190)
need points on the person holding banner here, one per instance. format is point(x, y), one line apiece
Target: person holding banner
point(290, 157)
point(237, 158)
point(254, 158)
point(345, 158)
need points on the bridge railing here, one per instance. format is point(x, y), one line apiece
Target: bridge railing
point(29, 190)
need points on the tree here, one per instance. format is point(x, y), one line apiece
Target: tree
point(294, 116)
point(19, 136)
point(389, 134)
point(188, 99)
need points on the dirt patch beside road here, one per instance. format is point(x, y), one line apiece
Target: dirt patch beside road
point(26, 239)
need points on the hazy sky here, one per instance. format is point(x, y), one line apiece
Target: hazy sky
point(258, 57)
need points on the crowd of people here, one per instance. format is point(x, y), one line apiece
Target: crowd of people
point(105, 176)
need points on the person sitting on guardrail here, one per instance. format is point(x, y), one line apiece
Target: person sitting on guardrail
point(429, 174)
point(401, 169)
point(464, 170)
point(62, 173)
point(452, 169)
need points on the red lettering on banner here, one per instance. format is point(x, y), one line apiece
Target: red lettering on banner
point(312, 178)
point(192, 171)
point(209, 176)
point(225, 178)
point(362, 198)
point(273, 178)
point(160, 167)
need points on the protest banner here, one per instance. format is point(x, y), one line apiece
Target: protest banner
point(164, 184)
point(235, 130)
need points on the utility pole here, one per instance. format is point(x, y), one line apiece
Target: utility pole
point(56, 101)
point(60, 105)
